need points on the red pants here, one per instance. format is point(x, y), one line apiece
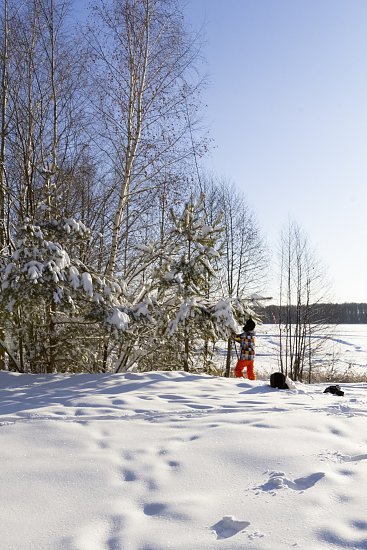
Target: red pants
point(241, 364)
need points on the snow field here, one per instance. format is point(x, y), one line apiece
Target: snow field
point(173, 460)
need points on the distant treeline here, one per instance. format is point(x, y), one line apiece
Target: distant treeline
point(350, 313)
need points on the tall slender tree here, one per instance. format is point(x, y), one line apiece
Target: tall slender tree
point(303, 285)
point(243, 261)
point(142, 57)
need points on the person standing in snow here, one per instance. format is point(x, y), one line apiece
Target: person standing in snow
point(247, 351)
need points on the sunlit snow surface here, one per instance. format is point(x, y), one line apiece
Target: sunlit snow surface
point(179, 461)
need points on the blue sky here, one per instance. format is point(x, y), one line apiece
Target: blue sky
point(286, 107)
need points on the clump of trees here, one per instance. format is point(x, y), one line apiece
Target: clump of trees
point(112, 256)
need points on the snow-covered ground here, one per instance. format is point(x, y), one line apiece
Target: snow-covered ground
point(168, 460)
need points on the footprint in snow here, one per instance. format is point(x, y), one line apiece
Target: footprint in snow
point(354, 458)
point(129, 475)
point(228, 526)
point(278, 480)
point(340, 457)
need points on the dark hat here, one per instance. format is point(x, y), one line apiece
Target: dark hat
point(250, 325)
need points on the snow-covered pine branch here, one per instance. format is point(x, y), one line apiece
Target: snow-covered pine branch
point(42, 282)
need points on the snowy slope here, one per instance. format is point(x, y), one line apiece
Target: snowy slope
point(171, 460)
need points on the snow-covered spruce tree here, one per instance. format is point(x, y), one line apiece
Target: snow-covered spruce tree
point(57, 313)
point(177, 313)
point(185, 284)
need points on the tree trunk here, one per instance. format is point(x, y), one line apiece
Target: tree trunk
point(4, 100)
point(138, 70)
point(228, 358)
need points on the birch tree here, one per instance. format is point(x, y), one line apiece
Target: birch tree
point(142, 57)
point(4, 129)
point(303, 285)
point(4, 119)
point(46, 136)
point(244, 255)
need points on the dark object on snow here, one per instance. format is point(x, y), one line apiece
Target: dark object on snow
point(334, 390)
point(277, 380)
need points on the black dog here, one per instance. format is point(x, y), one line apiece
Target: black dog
point(277, 380)
point(334, 390)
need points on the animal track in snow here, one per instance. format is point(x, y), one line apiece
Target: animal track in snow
point(163, 509)
point(173, 464)
point(155, 509)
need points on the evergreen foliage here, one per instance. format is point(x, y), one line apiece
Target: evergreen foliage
point(182, 316)
point(61, 315)
point(53, 306)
